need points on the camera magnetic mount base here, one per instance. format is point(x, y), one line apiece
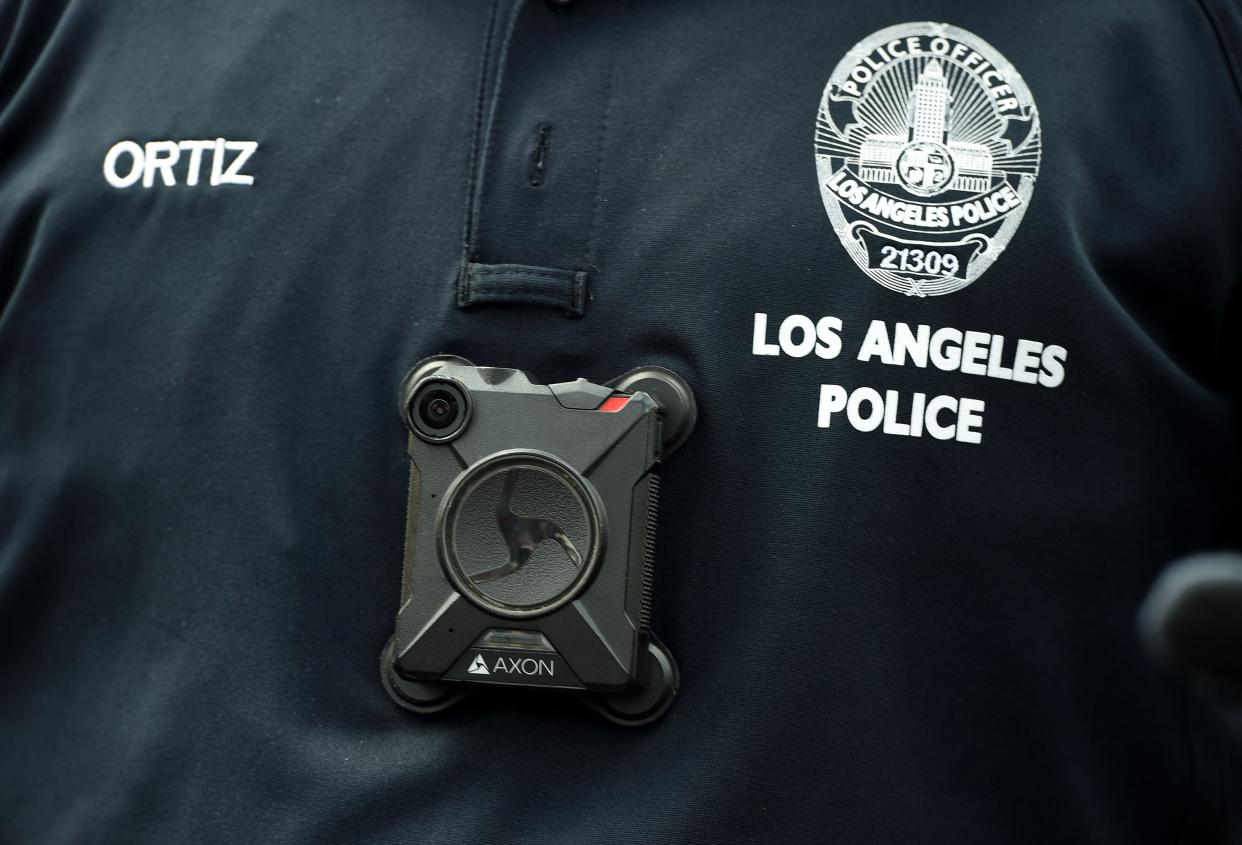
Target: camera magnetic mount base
point(678, 410)
point(417, 696)
point(647, 700)
point(644, 703)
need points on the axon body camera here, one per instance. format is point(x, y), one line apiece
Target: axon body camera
point(529, 537)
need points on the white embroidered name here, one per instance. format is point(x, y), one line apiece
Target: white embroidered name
point(128, 162)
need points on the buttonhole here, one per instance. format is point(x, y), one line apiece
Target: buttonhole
point(539, 155)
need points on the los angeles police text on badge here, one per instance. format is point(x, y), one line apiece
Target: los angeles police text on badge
point(943, 417)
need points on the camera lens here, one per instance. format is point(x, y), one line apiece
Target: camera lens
point(439, 410)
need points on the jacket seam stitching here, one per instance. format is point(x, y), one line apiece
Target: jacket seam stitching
point(1231, 58)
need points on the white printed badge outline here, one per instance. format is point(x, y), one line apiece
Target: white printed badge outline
point(927, 147)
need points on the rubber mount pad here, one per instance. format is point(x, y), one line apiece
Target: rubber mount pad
point(417, 696)
point(678, 409)
point(649, 701)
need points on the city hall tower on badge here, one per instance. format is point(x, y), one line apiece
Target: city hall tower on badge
point(925, 160)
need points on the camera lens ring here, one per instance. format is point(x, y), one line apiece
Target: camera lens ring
point(501, 462)
point(438, 409)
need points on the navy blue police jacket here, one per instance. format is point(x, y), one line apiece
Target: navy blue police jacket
point(956, 285)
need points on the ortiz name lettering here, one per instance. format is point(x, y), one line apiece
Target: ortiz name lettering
point(128, 162)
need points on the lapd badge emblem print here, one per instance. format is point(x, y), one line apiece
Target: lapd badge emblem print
point(927, 148)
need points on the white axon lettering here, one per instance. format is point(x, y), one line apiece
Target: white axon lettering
point(524, 666)
point(127, 163)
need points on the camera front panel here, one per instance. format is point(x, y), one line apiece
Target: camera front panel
point(528, 532)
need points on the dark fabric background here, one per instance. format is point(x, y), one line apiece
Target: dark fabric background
point(882, 639)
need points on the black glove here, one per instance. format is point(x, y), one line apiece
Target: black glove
point(1192, 621)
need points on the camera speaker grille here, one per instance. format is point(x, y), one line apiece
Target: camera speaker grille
point(649, 538)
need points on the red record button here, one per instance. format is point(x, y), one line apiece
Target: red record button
point(614, 403)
